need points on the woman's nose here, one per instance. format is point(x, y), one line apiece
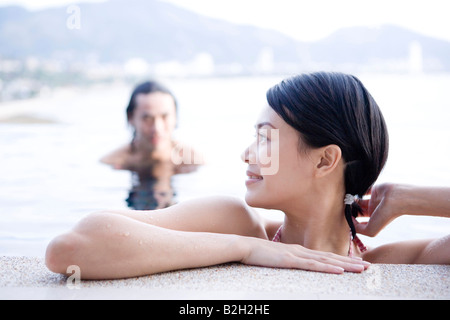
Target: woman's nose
point(249, 155)
point(244, 155)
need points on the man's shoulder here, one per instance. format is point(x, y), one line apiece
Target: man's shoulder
point(119, 157)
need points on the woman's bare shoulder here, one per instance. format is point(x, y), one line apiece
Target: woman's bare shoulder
point(218, 214)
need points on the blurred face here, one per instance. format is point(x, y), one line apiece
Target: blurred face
point(278, 172)
point(154, 118)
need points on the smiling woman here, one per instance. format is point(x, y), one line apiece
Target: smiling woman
point(310, 186)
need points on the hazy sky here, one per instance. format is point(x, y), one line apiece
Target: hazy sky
point(311, 20)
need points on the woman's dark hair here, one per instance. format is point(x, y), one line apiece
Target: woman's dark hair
point(146, 88)
point(335, 108)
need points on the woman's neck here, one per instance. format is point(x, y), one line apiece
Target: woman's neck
point(318, 225)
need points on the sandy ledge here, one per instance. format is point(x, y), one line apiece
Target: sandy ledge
point(28, 278)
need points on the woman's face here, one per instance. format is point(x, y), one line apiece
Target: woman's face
point(278, 173)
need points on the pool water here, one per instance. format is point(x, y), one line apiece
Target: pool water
point(50, 174)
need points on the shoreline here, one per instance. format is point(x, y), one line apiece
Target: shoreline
point(28, 278)
point(40, 109)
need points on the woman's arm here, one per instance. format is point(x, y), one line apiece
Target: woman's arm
point(194, 234)
point(111, 246)
point(390, 201)
point(216, 214)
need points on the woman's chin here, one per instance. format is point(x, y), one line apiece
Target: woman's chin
point(255, 200)
point(251, 199)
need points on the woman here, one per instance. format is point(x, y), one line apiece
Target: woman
point(328, 142)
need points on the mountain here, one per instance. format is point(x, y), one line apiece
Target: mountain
point(119, 30)
point(122, 29)
point(382, 45)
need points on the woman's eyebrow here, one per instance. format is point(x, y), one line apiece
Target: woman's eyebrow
point(262, 124)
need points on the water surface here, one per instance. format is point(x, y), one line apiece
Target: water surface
point(50, 175)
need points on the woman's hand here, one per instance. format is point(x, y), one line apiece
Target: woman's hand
point(279, 255)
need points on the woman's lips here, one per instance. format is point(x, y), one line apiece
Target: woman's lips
point(252, 178)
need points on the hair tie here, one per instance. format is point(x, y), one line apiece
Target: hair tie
point(350, 199)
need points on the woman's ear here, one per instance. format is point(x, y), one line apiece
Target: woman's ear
point(327, 159)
